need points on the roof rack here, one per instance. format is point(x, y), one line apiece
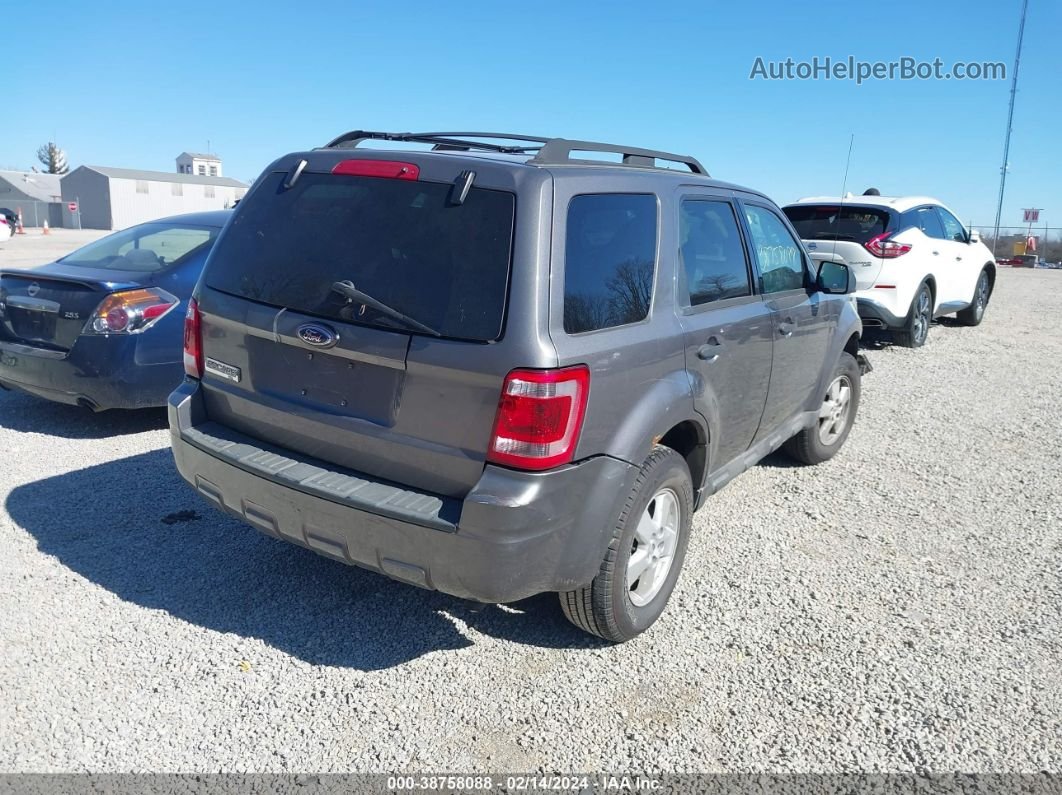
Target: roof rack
point(546, 151)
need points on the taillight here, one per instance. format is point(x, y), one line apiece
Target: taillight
point(539, 416)
point(391, 169)
point(130, 311)
point(886, 249)
point(193, 341)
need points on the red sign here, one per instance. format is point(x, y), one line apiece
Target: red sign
point(1031, 216)
point(72, 207)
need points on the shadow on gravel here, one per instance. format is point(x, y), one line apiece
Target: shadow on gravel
point(135, 528)
point(29, 414)
point(779, 460)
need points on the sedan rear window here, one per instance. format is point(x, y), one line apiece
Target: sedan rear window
point(146, 248)
point(402, 242)
point(837, 222)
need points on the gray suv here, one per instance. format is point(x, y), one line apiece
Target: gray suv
point(501, 365)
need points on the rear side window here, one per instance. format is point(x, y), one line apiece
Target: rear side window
point(926, 219)
point(713, 257)
point(401, 241)
point(609, 260)
point(837, 222)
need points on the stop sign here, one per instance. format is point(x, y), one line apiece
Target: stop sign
point(72, 207)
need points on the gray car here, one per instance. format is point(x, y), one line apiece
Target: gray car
point(503, 365)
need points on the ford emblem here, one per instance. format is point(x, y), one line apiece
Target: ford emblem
point(33, 289)
point(318, 335)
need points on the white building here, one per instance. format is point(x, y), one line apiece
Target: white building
point(198, 164)
point(116, 198)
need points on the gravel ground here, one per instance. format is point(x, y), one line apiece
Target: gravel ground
point(896, 609)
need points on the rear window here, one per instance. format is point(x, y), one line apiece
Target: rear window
point(834, 222)
point(402, 242)
point(146, 248)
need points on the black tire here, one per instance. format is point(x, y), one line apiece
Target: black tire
point(605, 607)
point(975, 312)
point(920, 316)
point(812, 445)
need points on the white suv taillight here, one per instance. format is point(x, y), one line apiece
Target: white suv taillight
point(193, 341)
point(539, 416)
point(886, 249)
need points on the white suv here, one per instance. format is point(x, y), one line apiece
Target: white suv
point(913, 260)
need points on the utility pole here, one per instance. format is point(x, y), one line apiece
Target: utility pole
point(1010, 124)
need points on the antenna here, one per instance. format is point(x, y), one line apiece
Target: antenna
point(844, 187)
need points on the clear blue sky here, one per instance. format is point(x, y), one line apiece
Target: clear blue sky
point(133, 84)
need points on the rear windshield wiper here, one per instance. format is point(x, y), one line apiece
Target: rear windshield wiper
point(352, 293)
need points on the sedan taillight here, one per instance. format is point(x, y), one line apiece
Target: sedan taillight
point(130, 311)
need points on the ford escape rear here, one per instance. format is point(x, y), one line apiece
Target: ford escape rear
point(473, 368)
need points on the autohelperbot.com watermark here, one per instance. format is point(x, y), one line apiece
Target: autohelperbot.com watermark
point(851, 68)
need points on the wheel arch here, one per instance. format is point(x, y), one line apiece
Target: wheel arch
point(690, 440)
point(664, 410)
point(931, 282)
point(852, 345)
point(990, 268)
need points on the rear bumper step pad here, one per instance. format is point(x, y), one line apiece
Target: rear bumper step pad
point(306, 475)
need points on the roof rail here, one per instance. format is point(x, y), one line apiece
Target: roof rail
point(444, 140)
point(547, 151)
point(559, 150)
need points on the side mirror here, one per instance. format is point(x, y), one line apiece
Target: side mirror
point(835, 278)
point(975, 236)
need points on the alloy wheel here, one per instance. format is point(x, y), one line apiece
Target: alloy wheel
point(653, 547)
point(981, 299)
point(833, 416)
point(922, 317)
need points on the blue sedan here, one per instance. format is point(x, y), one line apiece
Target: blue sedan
point(103, 327)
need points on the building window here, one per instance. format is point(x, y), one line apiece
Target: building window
point(208, 191)
point(177, 188)
point(213, 171)
point(141, 186)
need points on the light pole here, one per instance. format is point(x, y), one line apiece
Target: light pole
point(1010, 124)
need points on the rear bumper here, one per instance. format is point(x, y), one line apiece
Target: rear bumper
point(101, 372)
point(514, 534)
point(875, 314)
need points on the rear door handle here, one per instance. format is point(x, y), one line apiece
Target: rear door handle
point(786, 328)
point(709, 352)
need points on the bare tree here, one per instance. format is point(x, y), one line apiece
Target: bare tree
point(631, 291)
point(585, 312)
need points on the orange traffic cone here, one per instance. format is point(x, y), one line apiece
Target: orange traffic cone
point(45, 230)
point(19, 229)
